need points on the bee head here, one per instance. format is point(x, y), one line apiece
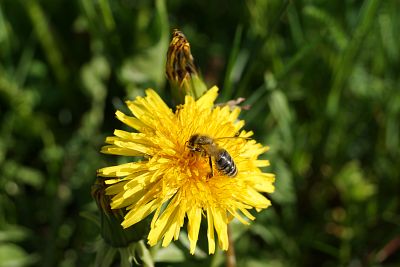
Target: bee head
point(197, 141)
point(200, 139)
point(191, 143)
point(193, 140)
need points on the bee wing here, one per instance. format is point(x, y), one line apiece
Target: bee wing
point(231, 137)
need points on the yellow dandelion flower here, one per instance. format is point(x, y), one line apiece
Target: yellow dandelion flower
point(173, 181)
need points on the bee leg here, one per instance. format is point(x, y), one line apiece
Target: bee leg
point(211, 166)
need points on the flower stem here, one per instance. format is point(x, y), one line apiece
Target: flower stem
point(231, 256)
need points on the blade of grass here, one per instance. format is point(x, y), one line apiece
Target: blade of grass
point(231, 75)
point(46, 38)
point(256, 47)
point(107, 15)
point(346, 62)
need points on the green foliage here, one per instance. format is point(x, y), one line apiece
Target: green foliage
point(322, 81)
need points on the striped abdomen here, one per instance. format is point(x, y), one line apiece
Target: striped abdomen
point(225, 163)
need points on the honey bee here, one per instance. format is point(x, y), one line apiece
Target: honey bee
point(207, 146)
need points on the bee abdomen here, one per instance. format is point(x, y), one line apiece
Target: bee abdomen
point(226, 164)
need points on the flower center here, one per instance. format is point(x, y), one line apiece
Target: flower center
point(198, 166)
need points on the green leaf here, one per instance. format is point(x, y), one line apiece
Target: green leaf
point(12, 255)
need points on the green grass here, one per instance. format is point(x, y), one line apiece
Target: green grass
point(322, 81)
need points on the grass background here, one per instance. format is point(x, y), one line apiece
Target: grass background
point(322, 79)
